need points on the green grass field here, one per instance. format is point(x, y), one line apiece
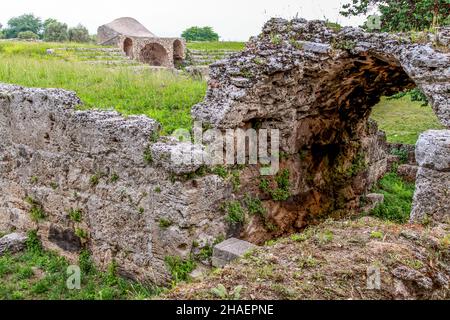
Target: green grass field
point(403, 120)
point(212, 46)
point(163, 96)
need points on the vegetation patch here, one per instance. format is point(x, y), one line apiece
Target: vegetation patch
point(398, 197)
point(37, 274)
point(179, 268)
point(404, 120)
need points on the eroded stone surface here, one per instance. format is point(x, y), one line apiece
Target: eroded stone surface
point(432, 196)
point(12, 243)
point(60, 160)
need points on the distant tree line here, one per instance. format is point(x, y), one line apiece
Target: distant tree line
point(200, 34)
point(28, 26)
point(401, 15)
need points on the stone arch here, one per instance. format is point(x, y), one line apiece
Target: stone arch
point(178, 53)
point(128, 47)
point(154, 54)
point(318, 87)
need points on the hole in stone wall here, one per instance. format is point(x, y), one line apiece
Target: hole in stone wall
point(177, 53)
point(128, 47)
point(154, 54)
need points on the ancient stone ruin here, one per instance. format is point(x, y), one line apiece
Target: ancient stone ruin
point(139, 43)
point(316, 85)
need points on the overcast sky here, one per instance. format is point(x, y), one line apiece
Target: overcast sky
point(232, 19)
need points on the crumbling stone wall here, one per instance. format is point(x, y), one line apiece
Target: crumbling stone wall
point(55, 161)
point(318, 86)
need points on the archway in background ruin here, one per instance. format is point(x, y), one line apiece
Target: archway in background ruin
point(154, 54)
point(128, 47)
point(177, 53)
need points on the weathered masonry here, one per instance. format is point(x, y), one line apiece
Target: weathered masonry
point(314, 84)
point(139, 43)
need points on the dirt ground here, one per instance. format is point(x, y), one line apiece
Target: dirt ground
point(337, 260)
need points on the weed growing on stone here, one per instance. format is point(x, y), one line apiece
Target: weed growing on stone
point(398, 196)
point(235, 212)
point(37, 274)
point(37, 212)
point(76, 215)
point(165, 223)
point(179, 268)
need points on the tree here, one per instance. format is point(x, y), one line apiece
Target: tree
point(55, 31)
point(2, 34)
point(200, 34)
point(401, 15)
point(26, 22)
point(27, 35)
point(79, 34)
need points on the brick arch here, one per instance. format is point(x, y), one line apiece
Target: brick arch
point(154, 54)
point(128, 47)
point(178, 53)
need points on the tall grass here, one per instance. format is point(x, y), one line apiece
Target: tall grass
point(218, 45)
point(163, 96)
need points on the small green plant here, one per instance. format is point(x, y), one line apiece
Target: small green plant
point(114, 178)
point(308, 262)
point(148, 156)
point(264, 185)
point(235, 212)
point(85, 262)
point(221, 292)
point(325, 237)
point(179, 268)
point(254, 206)
point(402, 154)
point(445, 241)
point(33, 242)
point(54, 185)
point(221, 171)
point(158, 190)
point(154, 136)
point(282, 192)
point(343, 44)
point(94, 180)
point(141, 210)
point(236, 180)
point(377, 235)
point(165, 223)
point(276, 39)
point(37, 212)
point(81, 233)
point(76, 215)
point(299, 237)
point(34, 180)
point(398, 196)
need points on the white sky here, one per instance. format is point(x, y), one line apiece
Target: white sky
point(232, 19)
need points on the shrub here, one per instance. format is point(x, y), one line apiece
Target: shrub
point(200, 34)
point(27, 35)
point(56, 32)
point(79, 34)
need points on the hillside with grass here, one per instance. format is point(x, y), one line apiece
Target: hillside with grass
point(162, 95)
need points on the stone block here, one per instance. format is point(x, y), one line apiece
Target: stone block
point(230, 250)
